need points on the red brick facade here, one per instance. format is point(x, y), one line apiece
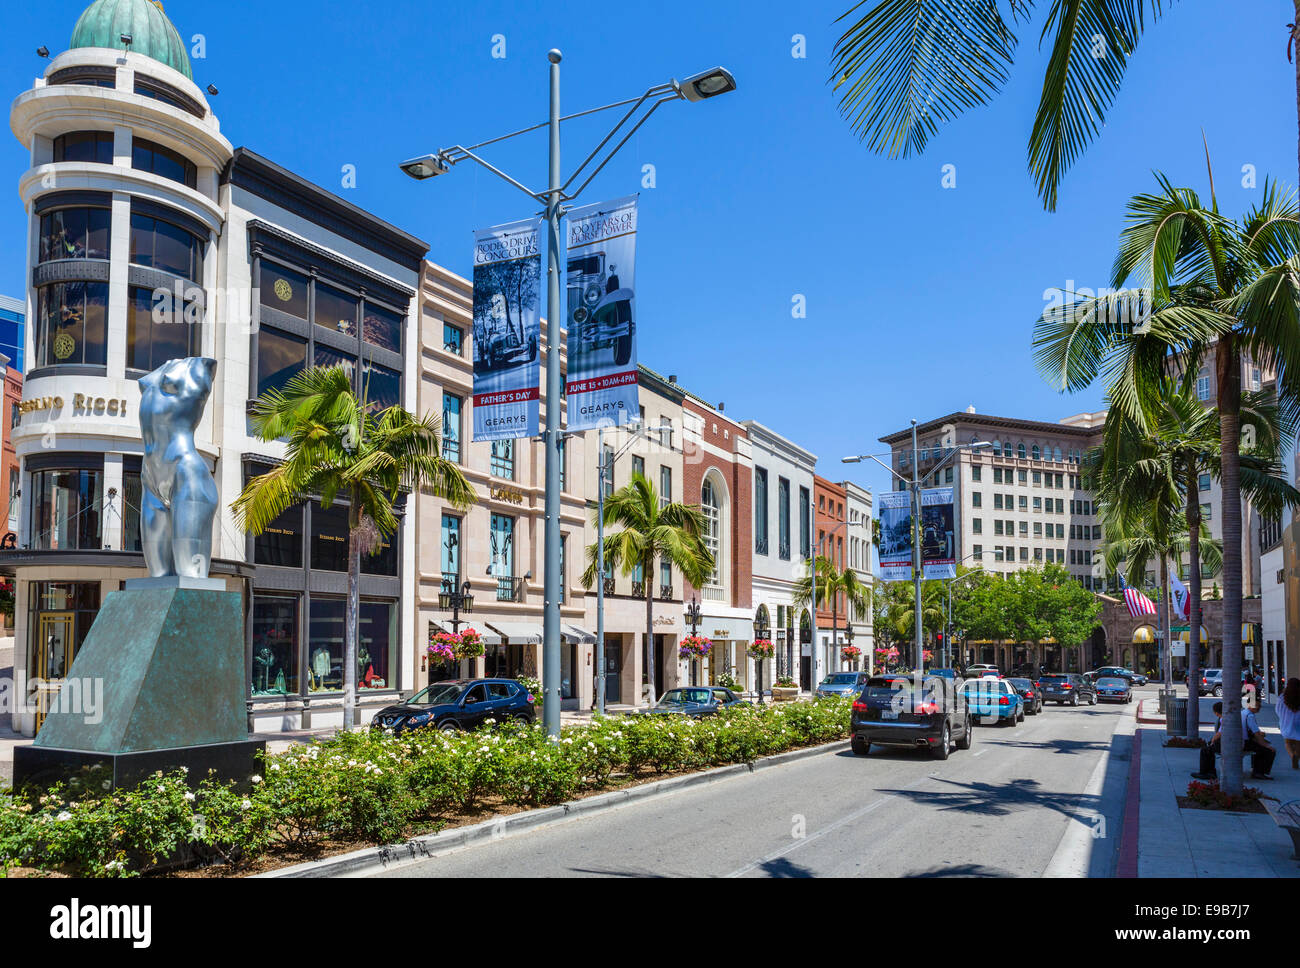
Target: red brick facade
point(830, 499)
point(719, 436)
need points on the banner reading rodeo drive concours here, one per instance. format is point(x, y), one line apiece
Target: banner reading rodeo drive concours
point(507, 330)
point(938, 538)
point(602, 381)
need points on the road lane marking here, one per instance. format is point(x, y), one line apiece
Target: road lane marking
point(979, 752)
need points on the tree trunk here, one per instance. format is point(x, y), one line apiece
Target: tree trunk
point(835, 634)
point(350, 633)
point(1167, 672)
point(1228, 373)
point(1194, 592)
point(650, 631)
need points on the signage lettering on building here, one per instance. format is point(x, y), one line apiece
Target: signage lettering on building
point(507, 494)
point(665, 620)
point(82, 405)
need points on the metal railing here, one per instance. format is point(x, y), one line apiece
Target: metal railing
point(510, 589)
point(665, 593)
point(638, 589)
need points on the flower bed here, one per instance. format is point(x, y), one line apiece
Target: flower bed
point(1208, 796)
point(369, 787)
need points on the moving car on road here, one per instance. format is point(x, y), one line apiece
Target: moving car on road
point(1030, 693)
point(1071, 687)
point(976, 671)
point(1136, 678)
point(1211, 683)
point(1114, 689)
point(457, 704)
point(993, 700)
point(697, 701)
point(891, 712)
point(842, 684)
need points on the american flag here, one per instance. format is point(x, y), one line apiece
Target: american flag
point(1138, 604)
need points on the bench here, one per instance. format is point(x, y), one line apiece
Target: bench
point(1287, 816)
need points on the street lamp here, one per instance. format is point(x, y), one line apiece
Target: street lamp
point(947, 628)
point(693, 616)
point(761, 631)
point(455, 600)
point(915, 486)
point(697, 87)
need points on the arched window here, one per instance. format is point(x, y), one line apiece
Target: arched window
point(1056, 454)
point(1020, 450)
point(997, 448)
point(1035, 452)
point(712, 510)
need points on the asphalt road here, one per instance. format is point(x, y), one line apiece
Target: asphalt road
point(1000, 809)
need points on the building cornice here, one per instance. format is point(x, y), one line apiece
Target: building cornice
point(1010, 423)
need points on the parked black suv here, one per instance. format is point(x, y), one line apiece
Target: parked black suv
point(1063, 687)
point(456, 704)
point(890, 712)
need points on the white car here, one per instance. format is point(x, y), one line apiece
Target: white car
point(980, 671)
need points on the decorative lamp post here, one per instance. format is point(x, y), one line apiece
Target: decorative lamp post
point(760, 650)
point(693, 617)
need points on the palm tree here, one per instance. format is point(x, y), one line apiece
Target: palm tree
point(831, 584)
point(897, 612)
point(1209, 287)
point(907, 66)
point(337, 443)
point(670, 532)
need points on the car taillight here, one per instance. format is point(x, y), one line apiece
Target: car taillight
point(1004, 701)
point(859, 706)
point(926, 708)
point(1029, 694)
point(1066, 685)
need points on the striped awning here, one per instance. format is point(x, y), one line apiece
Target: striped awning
point(1248, 633)
point(1144, 635)
point(1185, 635)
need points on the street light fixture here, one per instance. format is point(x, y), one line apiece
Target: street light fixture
point(947, 628)
point(695, 88)
point(914, 485)
point(693, 616)
point(761, 631)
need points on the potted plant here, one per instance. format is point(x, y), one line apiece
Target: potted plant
point(760, 650)
point(785, 689)
point(471, 645)
point(851, 655)
point(694, 647)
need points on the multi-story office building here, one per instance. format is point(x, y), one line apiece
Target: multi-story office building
point(718, 474)
point(783, 487)
point(858, 502)
point(13, 315)
point(151, 238)
point(497, 545)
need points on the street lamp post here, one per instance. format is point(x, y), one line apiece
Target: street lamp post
point(693, 616)
point(761, 631)
point(455, 600)
point(947, 627)
point(915, 486)
point(698, 87)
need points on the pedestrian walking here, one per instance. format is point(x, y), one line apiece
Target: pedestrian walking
point(1288, 720)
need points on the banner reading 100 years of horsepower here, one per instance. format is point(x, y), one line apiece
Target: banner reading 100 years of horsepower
point(507, 330)
point(938, 539)
point(602, 382)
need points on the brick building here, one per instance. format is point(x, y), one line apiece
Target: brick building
point(832, 535)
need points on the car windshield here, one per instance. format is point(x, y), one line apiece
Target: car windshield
point(985, 686)
point(1112, 682)
point(1022, 683)
point(1053, 679)
point(436, 694)
point(676, 697)
point(840, 679)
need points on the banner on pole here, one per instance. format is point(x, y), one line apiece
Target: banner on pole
point(507, 330)
point(602, 380)
point(938, 538)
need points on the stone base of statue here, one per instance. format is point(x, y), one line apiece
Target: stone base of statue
point(157, 685)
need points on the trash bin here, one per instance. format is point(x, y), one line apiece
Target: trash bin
point(1176, 716)
point(1162, 701)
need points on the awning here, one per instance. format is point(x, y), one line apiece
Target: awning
point(577, 636)
point(1248, 633)
point(1144, 635)
point(1185, 635)
point(513, 633)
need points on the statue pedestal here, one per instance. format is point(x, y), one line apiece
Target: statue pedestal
point(158, 684)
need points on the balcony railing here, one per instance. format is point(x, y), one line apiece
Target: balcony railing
point(713, 593)
point(510, 589)
point(638, 589)
point(784, 549)
point(760, 546)
point(665, 593)
point(609, 586)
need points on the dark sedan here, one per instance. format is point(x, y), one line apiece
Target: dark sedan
point(1136, 678)
point(694, 701)
point(1071, 687)
point(1030, 693)
point(1114, 689)
point(457, 704)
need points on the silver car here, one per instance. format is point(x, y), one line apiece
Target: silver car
point(842, 684)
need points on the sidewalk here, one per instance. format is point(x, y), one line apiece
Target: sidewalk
point(1174, 842)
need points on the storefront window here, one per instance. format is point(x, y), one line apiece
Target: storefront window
point(326, 357)
point(131, 496)
point(336, 310)
point(329, 537)
point(280, 356)
point(377, 646)
point(281, 543)
point(284, 290)
point(71, 323)
point(157, 331)
point(164, 162)
point(61, 614)
point(384, 559)
point(382, 328)
point(383, 386)
point(75, 233)
point(275, 646)
point(68, 509)
point(166, 247)
point(325, 629)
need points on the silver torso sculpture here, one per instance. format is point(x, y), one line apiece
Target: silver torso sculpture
point(179, 496)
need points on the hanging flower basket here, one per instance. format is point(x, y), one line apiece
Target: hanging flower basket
point(851, 652)
point(761, 649)
point(695, 647)
point(443, 647)
point(471, 645)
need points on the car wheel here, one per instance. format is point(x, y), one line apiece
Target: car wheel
point(940, 752)
point(861, 747)
point(967, 736)
point(449, 726)
point(1015, 721)
point(1218, 692)
point(1022, 714)
point(521, 718)
point(1074, 700)
point(1093, 702)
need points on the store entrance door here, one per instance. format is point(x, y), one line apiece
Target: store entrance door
point(53, 658)
point(613, 670)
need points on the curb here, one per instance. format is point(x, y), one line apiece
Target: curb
point(429, 845)
point(1127, 865)
point(1158, 721)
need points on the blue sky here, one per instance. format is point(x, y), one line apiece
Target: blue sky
point(920, 299)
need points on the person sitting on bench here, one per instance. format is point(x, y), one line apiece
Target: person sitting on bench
point(1252, 741)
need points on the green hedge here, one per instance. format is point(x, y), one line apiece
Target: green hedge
point(377, 788)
